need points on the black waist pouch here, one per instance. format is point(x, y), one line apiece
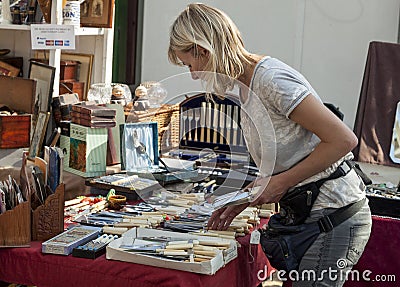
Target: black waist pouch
point(285, 245)
point(295, 206)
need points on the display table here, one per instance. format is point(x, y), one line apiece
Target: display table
point(29, 266)
point(381, 255)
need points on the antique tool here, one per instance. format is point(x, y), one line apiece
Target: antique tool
point(235, 125)
point(215, 123)
point(222, 124)
point(197, 114)
point(183, 123)
point(228, 119)
point(208, 122)
point(241, 136)
point(190, 120)
point(202, 120)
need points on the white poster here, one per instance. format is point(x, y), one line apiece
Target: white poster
point(49, 36)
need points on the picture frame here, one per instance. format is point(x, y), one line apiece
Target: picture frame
point(139, 146)
point(8, 70)
point(44, 76)
point(38, 134)
point(85, 66)
point(97, 13)
point(45, 10)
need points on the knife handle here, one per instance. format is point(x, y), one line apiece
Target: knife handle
point(179, 246)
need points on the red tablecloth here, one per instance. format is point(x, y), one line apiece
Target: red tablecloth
point(380, 261)
point(30, 267)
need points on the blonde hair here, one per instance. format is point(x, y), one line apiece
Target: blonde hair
point(211, 29)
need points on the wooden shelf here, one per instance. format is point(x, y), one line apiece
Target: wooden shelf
point(15, 27)
point(83, 31)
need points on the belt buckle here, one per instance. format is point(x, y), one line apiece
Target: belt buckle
point(325, 224)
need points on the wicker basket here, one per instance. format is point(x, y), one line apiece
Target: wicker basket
point(167, 118)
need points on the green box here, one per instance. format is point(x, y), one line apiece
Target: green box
point(87, 151)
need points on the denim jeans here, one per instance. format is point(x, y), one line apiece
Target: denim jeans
point(334, 253)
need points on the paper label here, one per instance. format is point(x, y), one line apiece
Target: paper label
point(255, 237)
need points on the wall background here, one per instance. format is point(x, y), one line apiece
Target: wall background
point(325, 40)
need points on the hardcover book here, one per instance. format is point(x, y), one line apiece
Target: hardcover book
point(94, 110)
point(94, 122)
point(76, 114)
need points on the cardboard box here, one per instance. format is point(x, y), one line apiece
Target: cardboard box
point(87, 151)
point(15, 131)
point(206, 267)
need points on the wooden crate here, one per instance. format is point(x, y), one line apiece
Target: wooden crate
point(48, 218)
point(15, 131)
point(15, 226)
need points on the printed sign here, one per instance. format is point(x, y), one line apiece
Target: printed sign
point(49, 36)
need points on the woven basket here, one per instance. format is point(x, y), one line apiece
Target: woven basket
point(167, 118)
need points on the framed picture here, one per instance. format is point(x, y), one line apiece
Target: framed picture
point(139, 146)
point(38, 134)
point(44, 76)
point(8, 70)
point(97, 13)
point(45, 11)
point(84, 68)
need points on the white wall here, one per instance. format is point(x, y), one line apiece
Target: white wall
point(326, 40)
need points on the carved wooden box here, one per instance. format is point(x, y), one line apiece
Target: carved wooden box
point(48, 218)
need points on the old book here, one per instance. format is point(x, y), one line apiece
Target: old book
point(94, 122)
point(93, 110)
point(88, 116)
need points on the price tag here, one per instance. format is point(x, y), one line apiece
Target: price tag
point(255, 237)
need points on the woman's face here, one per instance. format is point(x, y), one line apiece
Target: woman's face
point(195, 63)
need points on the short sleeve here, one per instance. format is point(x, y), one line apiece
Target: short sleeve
point(283, 90)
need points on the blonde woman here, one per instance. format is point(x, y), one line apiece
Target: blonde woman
point(311, 142)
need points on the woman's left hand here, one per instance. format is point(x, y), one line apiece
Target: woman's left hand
point(222, 218)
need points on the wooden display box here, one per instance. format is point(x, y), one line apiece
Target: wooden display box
point(17, 94)
point(48, 219)
point(15, 131)
point(15, 226)
point(68, 87)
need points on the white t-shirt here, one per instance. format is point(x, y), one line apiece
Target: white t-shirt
point(276, 89)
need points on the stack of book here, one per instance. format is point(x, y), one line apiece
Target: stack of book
point(93, 116)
